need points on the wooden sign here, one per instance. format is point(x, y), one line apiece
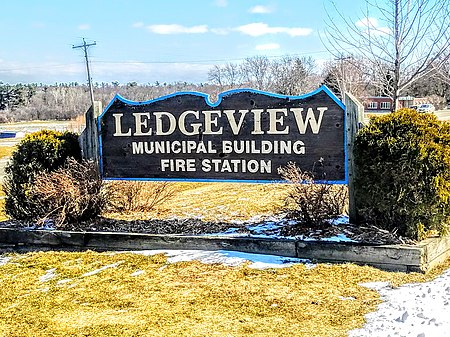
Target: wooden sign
point(245, 136)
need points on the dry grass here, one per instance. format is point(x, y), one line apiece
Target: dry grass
point(216, 201)
point(6, 151)
point(3, 216)
point(182, 299)
point(190, 298)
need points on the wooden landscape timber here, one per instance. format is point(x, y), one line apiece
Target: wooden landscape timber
point(405, 258)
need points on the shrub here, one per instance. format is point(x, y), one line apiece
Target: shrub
point(402, 180)
point(312, 203)
point(39, 152)
point(137, 195)
point(69, 194)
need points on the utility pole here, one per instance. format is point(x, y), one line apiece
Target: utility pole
point(85, 48)
point(342, 84)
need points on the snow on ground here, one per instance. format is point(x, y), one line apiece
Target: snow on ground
point(4, 260)
point(49, 275)
point(270, 227)
point(228, 258)
point(417, 310)
point(99, 270)
point(412, 310)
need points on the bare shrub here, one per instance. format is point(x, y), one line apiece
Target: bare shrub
point(137, 196)
point(70, 194)
point(311, 203)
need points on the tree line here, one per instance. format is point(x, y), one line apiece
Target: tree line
point(288, 75)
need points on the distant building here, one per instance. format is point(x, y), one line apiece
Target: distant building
point(407, 101)
point(378, 104)
point(381, 104)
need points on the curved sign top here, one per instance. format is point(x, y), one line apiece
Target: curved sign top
point(245, 136)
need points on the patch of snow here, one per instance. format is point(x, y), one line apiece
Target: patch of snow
point(419, 309)
point(48, 225)
point(336, 238)
point(91, 273)
point(229, 231)
point(265, 226)
point(270, 227)
point(49, 275)
point(341, 220)
point(137, 273)
point(377, 285)
point(64, 281)
point(228, 258)
point(4, 260)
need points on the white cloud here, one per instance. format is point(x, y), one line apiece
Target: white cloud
point(259, 29)
point(260, 10)
point(138, 24)
point(144, 72)
point(221, 3)
point(123, 72)
point(220, 31)
point(367, 22)
point(268, 46)
point(177, 29)
point(371, 25)
point(84, 26)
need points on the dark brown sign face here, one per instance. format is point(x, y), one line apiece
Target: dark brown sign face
point(246, 135)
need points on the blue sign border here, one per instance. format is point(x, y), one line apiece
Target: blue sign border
point(322, 88)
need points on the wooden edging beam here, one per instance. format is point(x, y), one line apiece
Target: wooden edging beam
point(407, 258)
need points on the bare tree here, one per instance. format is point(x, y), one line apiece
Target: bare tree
point(347, 74)
point(292, 75)
point(228, 75)
point(409, 39)
point(289, 75)
point(216, 75)
point(256, 72)
point(444, 72)
point(232, 74)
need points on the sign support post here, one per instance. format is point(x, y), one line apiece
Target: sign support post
point(89, 136)
point(355, 118)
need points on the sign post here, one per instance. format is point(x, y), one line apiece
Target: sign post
point(245, 136)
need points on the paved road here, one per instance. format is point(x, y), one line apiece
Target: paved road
point(3, 162)
point(35, 126)
point(27, 127)
point(443, 115)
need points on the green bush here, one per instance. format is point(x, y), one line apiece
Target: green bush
point(402, 180)
point(39, 152)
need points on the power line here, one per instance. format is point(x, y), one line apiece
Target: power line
point(207, 60)
point(39, 67)
point(85, 48)
point(92, 60)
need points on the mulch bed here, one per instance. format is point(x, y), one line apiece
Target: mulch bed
point(280, 228)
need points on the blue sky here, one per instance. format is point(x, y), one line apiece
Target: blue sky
point(147, 41)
